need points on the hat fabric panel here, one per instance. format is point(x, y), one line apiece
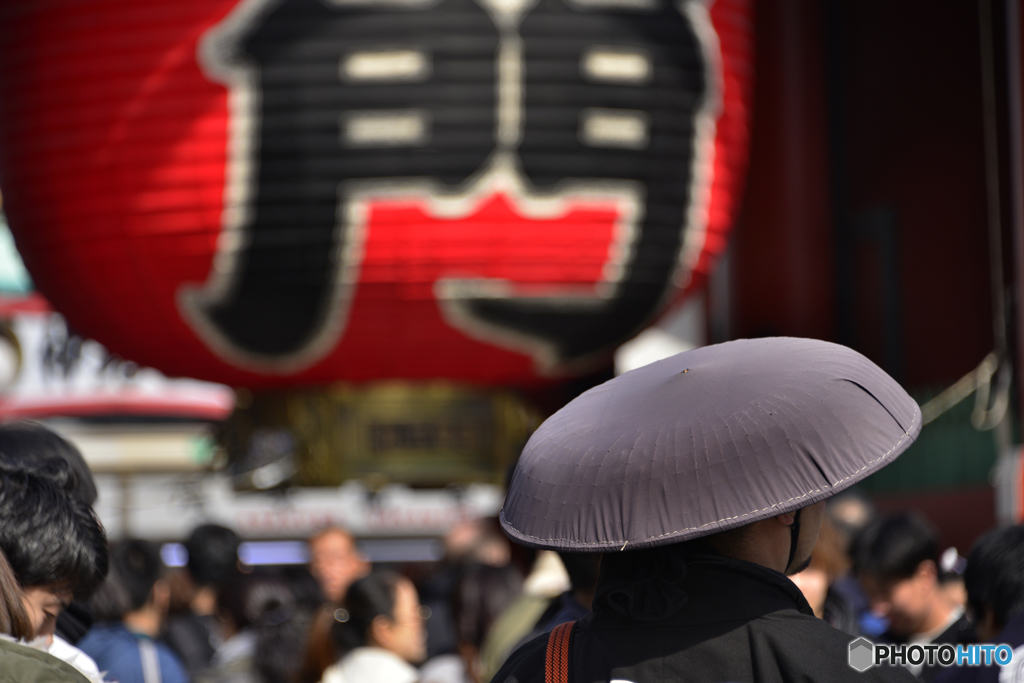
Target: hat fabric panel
point(705, 441)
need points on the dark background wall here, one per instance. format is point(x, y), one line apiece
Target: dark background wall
point(865, 220)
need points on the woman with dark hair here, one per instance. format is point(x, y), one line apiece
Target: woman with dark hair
point(14, 620)
point(379, 632)
point(193, 629)
point(261, 638)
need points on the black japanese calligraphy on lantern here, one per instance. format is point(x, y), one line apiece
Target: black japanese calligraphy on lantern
point(332, 100)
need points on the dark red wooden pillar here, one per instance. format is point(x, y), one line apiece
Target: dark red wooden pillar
point(783, 251)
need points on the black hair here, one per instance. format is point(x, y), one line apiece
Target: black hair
point(582, 568)
point(482, 594)
point(111, 600)
point(50, 538)
point(31, 448)
point(212, 554)
point(368, 598)
point(257, 600)
point(139, 566)
point(135, 567)
point(646, 584)
point(893, 547)
point(265, 605)
point(995, 574)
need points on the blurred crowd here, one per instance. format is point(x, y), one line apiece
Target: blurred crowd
point(72, 607)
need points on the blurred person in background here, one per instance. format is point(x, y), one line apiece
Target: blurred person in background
point(379, 632)
point(334, 562)
point(262, 638)
point(31, 448)
point(850, 513)
point(828, 563)
point(130, 609)
point(547, 580)
point(951, 575)
point(575, 603)
point(897, 561)
point(483, 593)
point(194, 632)
point(522, 622)
point(572, 604)
point(57, 550)
point(309, 605)
point(994, 579)
point(470, 543)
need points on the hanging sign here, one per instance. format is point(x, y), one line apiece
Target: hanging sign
point(274, 193)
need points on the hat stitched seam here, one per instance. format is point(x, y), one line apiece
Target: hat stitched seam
point(913, 422)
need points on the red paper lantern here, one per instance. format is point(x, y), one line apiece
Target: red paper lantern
point(276, 193)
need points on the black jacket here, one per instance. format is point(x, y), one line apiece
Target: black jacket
point(1012, 635)
point(960, 632)
point(193, 638)
point(741, 623)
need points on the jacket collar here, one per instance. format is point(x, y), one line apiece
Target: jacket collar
point(727, 589)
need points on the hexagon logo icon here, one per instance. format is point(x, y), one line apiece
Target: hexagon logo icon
point(862, 654)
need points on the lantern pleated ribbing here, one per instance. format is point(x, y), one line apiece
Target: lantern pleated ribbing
point(273, 193)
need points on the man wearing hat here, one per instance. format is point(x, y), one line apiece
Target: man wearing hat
point(702, 479)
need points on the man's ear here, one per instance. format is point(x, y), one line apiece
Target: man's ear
point(990, 623)
point(160, 596)
point(986, 626)
point(380, 631)
point(786, 519)
point(927, 570)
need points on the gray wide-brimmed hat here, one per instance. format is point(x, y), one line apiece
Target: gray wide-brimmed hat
point(705, 441)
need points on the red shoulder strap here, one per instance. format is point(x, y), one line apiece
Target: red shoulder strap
point(556, 665)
